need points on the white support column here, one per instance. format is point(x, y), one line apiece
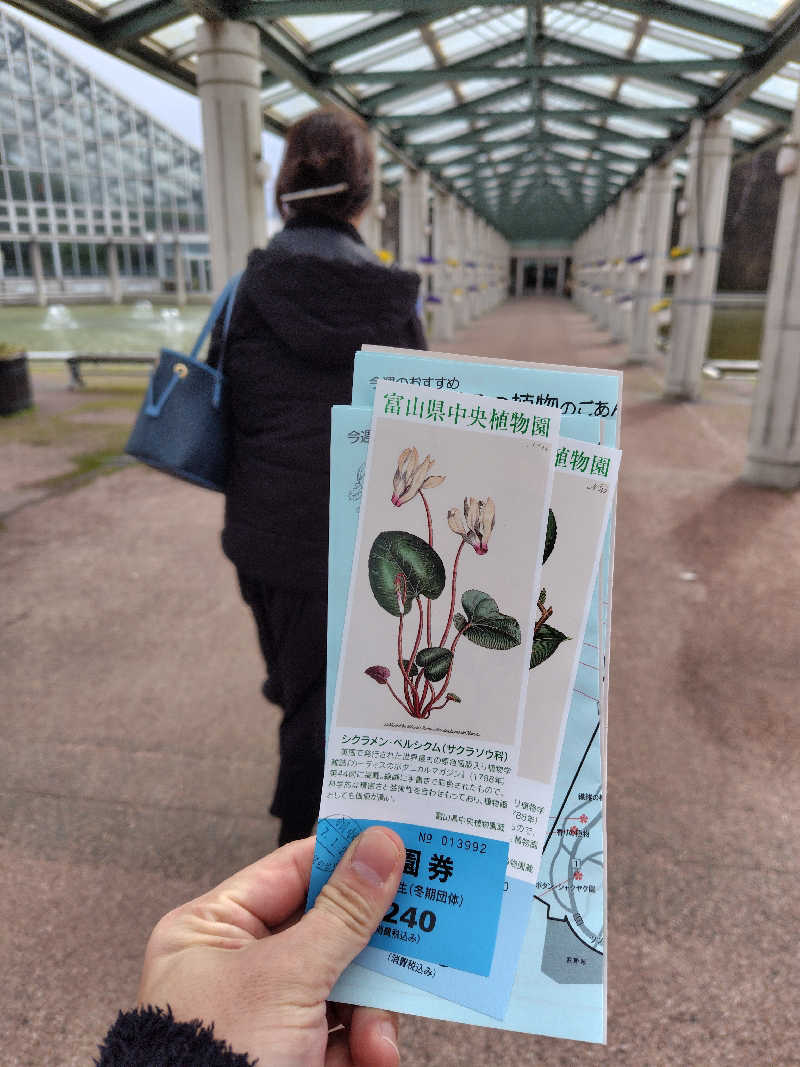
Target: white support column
point(468, 265)
point(452, 260)
point(370, 226)
point(504, 265)
point(413, 217)
point(161, 263)
point(654, 232)
point(774, 449)
point(501, 269)
point(58, 268)
point(476, 309)
point(706, 194)
point(630, 272)
point(485, 268)
point(619, 252)
point(606, 274)
point(491, 268)
point(460, 294)
point(480, 267)
point(598, 273)
point(442, 288)
point(180, 275)
point(38, 273)
point(115, 285)
point(580, 276)
point(229, 85)
point(498, 271)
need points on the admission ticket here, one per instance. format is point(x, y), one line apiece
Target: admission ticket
point(433, 672)
point(579, 510)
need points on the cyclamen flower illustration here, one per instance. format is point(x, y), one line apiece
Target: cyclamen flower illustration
point(411, 476)
point(379, 674)
point(479, 516)
point(407, 576)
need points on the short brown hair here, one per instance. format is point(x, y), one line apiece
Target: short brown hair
point(327, 147)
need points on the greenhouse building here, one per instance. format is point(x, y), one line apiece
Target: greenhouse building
point(98, 200)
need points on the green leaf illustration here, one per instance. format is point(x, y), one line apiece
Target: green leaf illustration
point(434, 662)
point(550, 536)
point(485, 624)
point(542, 598)
point(398, 552)
point(545, 643)
point(411, 670)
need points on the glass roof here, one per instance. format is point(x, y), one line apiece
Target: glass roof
point(490, 100)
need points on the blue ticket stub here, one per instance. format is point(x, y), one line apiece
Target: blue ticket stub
point(489, 995)
point(447, 906)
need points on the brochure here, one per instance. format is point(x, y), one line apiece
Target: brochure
point(552, 980)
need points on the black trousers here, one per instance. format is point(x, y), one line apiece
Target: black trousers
point(292, 632)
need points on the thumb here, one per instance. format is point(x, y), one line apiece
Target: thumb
point(352, 903)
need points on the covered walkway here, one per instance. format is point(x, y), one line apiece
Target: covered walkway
point(138, 757)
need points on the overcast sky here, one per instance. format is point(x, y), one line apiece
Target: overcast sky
point(173, 107)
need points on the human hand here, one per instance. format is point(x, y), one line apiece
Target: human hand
point(244, 957)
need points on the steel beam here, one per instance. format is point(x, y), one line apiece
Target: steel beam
point(385, 31)
point(120, 26)
point(686, 18)
point(668, 115)
point(647, 70)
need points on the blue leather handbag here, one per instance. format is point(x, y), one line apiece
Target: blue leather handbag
point(182, 425)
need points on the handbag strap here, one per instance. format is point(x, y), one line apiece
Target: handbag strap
point(224, 301)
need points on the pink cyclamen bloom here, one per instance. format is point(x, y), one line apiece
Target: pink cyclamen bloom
point(477, 525)
point(411, 476)
point(380, 674)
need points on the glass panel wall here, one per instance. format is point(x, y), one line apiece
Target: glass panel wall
point(80, 164)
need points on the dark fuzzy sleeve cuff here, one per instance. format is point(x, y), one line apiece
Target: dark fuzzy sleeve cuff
point(151, 1037)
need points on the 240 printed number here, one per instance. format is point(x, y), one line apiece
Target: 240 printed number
point(426, 919)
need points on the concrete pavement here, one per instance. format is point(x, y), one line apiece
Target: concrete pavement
point(138, 756)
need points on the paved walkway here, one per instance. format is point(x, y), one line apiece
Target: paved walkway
point(138, 756)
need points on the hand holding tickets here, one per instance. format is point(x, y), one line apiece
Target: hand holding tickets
point(241, 956)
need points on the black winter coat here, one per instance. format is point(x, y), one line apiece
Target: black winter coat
point(304, 306)
point(151, 1037)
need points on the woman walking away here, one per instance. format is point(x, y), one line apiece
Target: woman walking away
point(305, 304)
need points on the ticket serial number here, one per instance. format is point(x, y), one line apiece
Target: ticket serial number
point(464, 843)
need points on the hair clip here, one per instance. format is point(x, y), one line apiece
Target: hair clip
point(322, 190)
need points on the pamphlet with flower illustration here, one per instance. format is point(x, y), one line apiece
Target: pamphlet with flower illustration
point(573, 543)
point(558, 987)
point(435, 655)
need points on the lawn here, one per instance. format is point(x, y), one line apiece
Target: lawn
point(735, 333)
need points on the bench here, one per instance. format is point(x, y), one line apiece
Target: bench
point(722, 368)
point(74, 360)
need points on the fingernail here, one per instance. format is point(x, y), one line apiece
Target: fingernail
point(376, 856)
point(388, 1032)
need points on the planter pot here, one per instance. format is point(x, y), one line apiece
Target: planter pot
point(15, 385)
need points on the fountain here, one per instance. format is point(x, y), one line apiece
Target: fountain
point(59, 317)
point(171, 320)
point(143, 311)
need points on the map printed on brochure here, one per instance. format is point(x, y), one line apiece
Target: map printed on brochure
point(547, 972)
